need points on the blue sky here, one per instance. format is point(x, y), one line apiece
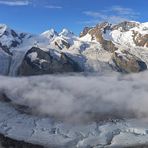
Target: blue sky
point(36, 16)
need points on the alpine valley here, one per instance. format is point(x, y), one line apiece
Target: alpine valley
point(61, 90)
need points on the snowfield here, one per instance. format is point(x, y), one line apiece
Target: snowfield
point(76, 110)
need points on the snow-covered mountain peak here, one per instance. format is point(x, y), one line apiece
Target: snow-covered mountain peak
point(3, 28)
point(65, 32)
point(50, 34)
point(8, 32)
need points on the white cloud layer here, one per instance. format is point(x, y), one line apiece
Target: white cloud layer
point(15, 3)
point(115, 14)
point(53, 7)
point(29, 2)
point(81, 98)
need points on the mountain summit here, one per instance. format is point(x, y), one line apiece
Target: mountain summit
point(66, 32)
point(50, 34)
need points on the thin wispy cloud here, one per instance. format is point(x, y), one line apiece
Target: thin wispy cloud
point(53, 7)
point(123, 11)
point(15, 3)
point(94, 14)
point(114, 14)
point(34, 3)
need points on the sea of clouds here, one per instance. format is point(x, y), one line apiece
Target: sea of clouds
point(80, 97)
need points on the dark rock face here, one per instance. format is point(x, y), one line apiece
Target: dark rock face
point(140, 40)
point(46, 63)
point(6, 142)
point(125, 62)
point(5, 49)
point(61, 44)
point(85, 31)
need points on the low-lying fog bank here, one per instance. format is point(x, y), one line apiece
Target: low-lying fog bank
point(81, 98)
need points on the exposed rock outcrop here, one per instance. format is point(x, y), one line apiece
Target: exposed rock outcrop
point(127, 63)
point(140, 39)
point(61, 43)
point(97, 33)
point(85, 31)
point(37, 61)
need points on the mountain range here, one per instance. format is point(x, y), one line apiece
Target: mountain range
point(122, 47)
